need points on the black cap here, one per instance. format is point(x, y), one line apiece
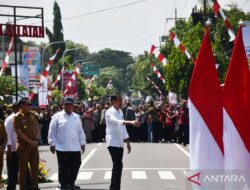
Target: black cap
point(68, 100)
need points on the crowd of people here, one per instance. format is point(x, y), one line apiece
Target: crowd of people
point(159, 122)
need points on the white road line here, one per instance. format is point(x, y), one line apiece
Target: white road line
point(139, 175)
point(166, 175)
point(54, 177)
point(4, 176)
point(86, 159)
point(99, 144)
point(107, 169)
point(183, 150)
point(107, 175)
point(85, 175)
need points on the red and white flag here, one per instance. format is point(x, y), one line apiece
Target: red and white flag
point(58, 78)
point(236, 112)
point(158, 74)
point(205, 111)
point(72, 79)
point(7, 58)
point(154, 50)
point(50, 63)
point(217, 9)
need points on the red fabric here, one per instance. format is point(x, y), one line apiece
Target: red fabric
point(227, 23)
point(172, 36)
point(216, 8)
point(160, 57)
point(153, 47)
point(236, 99)
point(182, 48)
point(205, 91)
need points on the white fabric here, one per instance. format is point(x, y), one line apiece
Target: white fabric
point(66, 132)
point(204, 151)
point(116, 132)
point(11, 134)
point(236, 154)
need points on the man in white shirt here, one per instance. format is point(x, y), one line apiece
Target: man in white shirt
point(116, 134)
point(66, 138)
point(12, 159)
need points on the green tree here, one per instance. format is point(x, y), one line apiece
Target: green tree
point(8, 87)
point(57, 96)
point(57, 34)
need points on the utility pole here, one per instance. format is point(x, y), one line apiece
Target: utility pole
point(175, 18)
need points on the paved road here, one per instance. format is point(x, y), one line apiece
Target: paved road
point(150, 166)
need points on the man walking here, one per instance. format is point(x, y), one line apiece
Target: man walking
point(11, 159)
point(116, 134)
point(26, 128)
point(67, 139)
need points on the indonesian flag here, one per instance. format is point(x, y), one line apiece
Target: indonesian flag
point(236, 112)
point(205, 111)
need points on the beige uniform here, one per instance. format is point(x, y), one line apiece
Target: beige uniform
point(28, 125)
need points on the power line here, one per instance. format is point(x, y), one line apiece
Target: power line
point(100, 11)
point(185, 4)
point(166, 25)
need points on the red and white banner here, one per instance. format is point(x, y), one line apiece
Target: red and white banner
point(7, 58)
point(43, 90)
point(179, 45)
point(158, 74)
point(154, 50)
point(72, 83)
point(50, 63)
point(205, 112)
point(236, 102)
point(90, 83)
point(58, 78)
point(217, 9)
point(157, 88)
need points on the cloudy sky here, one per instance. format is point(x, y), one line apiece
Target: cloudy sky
point(130, 25)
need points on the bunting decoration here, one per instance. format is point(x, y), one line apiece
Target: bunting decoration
point(217, 9)
point(7, 58)
point(73, 78)
point(90, 83)
point(58, 78)
point(179, 45)
point(157, 88)
point(157, 72)
point(50, 63)
point(154, 50)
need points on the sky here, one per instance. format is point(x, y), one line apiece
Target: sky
point(133, 27)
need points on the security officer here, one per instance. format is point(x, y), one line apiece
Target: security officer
point(26, 128)
point(3, 141)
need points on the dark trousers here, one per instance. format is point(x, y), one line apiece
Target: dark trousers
point(156, 131)
point(12, 167)
point(116, 155)
point(68, 167)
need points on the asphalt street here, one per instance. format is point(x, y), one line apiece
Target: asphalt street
point(149, 166)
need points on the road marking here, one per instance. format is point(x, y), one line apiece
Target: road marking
point(166, 175)
point(54, 177)
point(86, 159)
point(139, 175)
point(99, 144)
point(108, 169)
point(107, 175)
point(183, 150)
point(4, 176)
point(85, 175)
